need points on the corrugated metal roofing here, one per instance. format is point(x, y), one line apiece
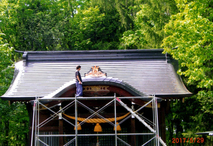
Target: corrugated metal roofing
point(147, 71)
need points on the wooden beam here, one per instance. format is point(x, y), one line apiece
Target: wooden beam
point(133, 137)
point(60, 128)
point(162, 120)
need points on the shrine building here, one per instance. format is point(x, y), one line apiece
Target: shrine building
point(126, 96)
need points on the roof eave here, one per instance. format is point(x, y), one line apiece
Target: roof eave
point(175, 95)
point(21, 98)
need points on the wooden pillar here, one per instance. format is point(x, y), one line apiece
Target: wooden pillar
point(162, 120)
point(30, 114)
point(133, 137)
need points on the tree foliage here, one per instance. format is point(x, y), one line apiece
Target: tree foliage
point(13, 118)
point(189, 33)
point(58, 25)
point(126, 9)
point(149, 21)
point(152, 18)
point(96, 30)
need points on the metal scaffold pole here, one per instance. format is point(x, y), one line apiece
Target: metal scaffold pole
point(133, 113)
point(155, 119)
point(76, 122)
point(36, 120)
point(115, 114)
point(74, 101)
point(157, 124)
point(33, 122)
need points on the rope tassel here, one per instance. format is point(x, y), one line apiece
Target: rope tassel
point(98, 128)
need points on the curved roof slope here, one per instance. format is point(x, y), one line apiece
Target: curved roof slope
point(147, 71)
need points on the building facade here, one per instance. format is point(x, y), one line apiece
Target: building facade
point(131, 77)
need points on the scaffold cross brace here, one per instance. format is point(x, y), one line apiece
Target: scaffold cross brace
point(118, 99)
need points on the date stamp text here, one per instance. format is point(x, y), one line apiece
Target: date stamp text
point(188, 140)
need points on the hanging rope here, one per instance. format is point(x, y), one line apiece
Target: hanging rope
point(97, 120)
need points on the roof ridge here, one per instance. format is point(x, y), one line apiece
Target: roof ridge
point(61, 51)
point(145, 54)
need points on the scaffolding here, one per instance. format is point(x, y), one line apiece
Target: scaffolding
point(74, 101)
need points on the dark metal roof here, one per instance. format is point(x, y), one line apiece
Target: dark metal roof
point(145, 71)
point(93, 55)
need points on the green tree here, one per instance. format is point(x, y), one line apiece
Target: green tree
point(5, 78)
point(149, 21)
point(37, 25)
point(189, 33)
point(13, 118)
point(96, 30)
point(58, 25)
point(6, 68)
point(126, 9)
point(133, 39)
